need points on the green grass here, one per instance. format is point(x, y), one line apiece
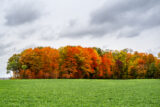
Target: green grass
point(80, 93)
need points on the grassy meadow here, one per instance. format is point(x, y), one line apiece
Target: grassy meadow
point(80, 93)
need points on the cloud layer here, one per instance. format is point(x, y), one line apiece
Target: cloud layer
point(112, 24)
point(22, 13)
point(126, 18)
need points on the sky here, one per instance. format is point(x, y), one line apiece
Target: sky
point(107, 24)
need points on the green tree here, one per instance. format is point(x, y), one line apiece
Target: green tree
point(99, 51)
point(14, 65)
point(151, 70)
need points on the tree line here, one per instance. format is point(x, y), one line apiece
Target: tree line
point(83, 62)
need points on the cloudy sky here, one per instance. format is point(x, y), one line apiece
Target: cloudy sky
point(108, 24)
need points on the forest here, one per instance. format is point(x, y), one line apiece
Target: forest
point(76, 62)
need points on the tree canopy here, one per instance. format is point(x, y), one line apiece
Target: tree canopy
point(83, 62)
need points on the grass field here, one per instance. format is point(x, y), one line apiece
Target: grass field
point(80, 93)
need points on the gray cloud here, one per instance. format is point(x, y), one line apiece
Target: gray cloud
point(4, 48)
point(83, 31)
point(20, 13)
point(27, 33)
point(127, 18)
point(126, 9)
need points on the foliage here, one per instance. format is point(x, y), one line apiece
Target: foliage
point(14, 65)
point(39, 63)
point(82, 62)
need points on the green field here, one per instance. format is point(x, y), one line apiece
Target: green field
point(80, 93)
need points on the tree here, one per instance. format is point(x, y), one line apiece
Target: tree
point(68, 63)
point(157, 73)
point(105, 67)
point(99, 51)
point(74, 62)
point(159, 55)
point(14, 65)
point(132, 72)
point(121, 64)
point(151, 70)
point(43, 60)
point(141, 68)
point(82, 62)
point(94, 60)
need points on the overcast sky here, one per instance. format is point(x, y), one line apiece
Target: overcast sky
point(108, 24)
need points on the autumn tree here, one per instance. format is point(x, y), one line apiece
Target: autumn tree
point(41, 61)
point(68, 63)
point(105, 66)
point(159, 55)
point(94, 60)
point(83, 62)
